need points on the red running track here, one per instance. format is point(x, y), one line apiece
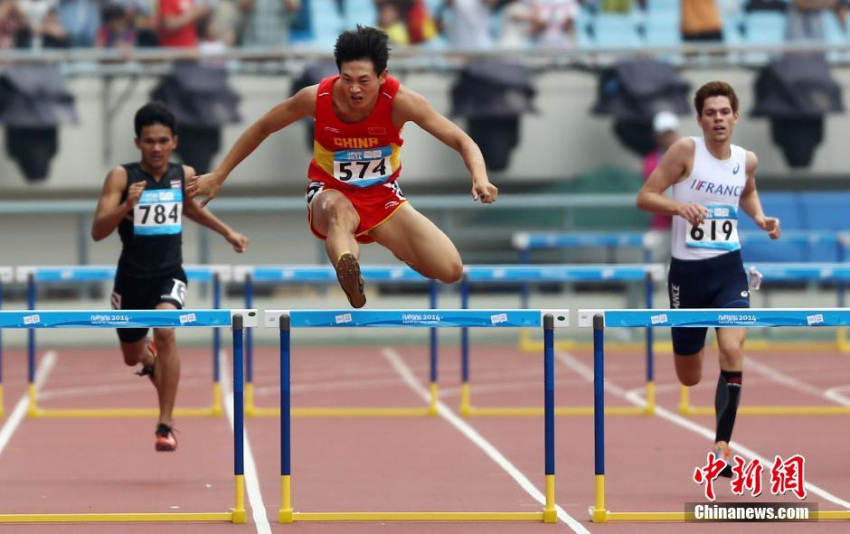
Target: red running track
point(406, 464)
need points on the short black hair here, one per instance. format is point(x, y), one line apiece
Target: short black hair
point(154, 113)
point(364, 42)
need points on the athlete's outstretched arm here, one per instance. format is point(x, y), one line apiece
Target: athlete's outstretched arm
point(205, 217)
point(751, 203)
point(411, 106)
point(671, 169)
point(294, 108)
point(110, 210)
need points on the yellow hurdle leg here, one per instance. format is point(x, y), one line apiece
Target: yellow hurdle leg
point(598, 513)
point(684, 401)
point(249, 399)
point(650, 398)
point(550, 515)
point(32, 410)
point(465, 407)
point(432, 404)
point(217, 409)
point(239, 513)
point(286, 513)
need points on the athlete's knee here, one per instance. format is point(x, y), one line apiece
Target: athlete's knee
point(689, 378)
point(132, 355)
point(338, 208)
point(452, 272)
point(730, 354)
point(165, 338)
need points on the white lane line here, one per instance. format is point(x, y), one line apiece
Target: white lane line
point(20, 412)
point(837, 395)
point(252, 482)
point(110, 389)
point(635, 398)
point(446, 413)
point(792, 382)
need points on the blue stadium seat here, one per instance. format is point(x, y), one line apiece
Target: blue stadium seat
point(664, 6)
point(615, 31)
point(788, 208)
point(825, 212)
point(360, 12)
point(327, 22)
point(834, 35)
point(663, 28)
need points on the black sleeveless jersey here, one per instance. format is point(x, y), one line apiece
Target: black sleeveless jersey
point(152, 234)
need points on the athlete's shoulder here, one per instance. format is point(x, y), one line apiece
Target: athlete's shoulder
point(683, 148)
point(752, 161)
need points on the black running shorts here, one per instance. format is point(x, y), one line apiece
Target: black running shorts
point(134, 293)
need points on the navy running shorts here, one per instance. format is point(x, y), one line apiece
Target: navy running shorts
point(718, 282)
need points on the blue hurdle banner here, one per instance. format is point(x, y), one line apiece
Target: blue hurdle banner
point(599, 319)
point(416, 318)
point(32, 275)
point(720, 317)
point(546, 240)
point(803, 272)
point(105, 273)
point(564, 273)
point(525, 274)
point(285, 320)
point(122, 318)
point(326, 274)
point(237, 319)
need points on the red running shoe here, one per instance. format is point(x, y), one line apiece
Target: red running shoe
point(165, 439)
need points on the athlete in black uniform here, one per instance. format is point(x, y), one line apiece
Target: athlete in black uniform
point(146, 202)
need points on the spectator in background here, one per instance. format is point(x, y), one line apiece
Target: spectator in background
point(229, 19)
point(466, 24)
point(421, 26)
point(210, 43)
point(43, 27)
point(804, 20)
point(665, 126)
point(389, 20)
point(553, 25)
point(81, 20)
point(117, 30)
point(701, 21)
point(516, 18)
point(12, 23)
point(140, 13)
point(178, 22)
point(268, 22)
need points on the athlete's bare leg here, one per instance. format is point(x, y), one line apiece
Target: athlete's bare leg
point(333, 215)
point(137, 352)
point(731, 344)
point(689, 367)
point(167, 368)
point(418, 242)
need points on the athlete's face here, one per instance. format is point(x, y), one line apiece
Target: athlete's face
point(156, 142)
point(360, 82)
point(717, 119)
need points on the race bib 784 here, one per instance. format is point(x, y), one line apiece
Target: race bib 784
point(159, 212)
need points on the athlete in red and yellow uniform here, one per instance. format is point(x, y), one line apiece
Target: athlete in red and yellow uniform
point(362, 160)
point(353, 195)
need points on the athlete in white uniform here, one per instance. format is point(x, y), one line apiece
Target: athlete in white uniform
point(711, 179)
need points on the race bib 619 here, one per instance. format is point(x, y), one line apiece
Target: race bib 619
point(718, 231)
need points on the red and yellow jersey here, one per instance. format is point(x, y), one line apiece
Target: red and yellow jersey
point(360, 154)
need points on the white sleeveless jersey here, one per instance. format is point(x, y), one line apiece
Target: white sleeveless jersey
point(717, 185)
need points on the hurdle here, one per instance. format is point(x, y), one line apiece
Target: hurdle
point(599, 320)
point(32, 275)
point(427, 318)
point(325, 274)
point(7, 275)
point(556, 273)
point(790, 272)
point(238, 320)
